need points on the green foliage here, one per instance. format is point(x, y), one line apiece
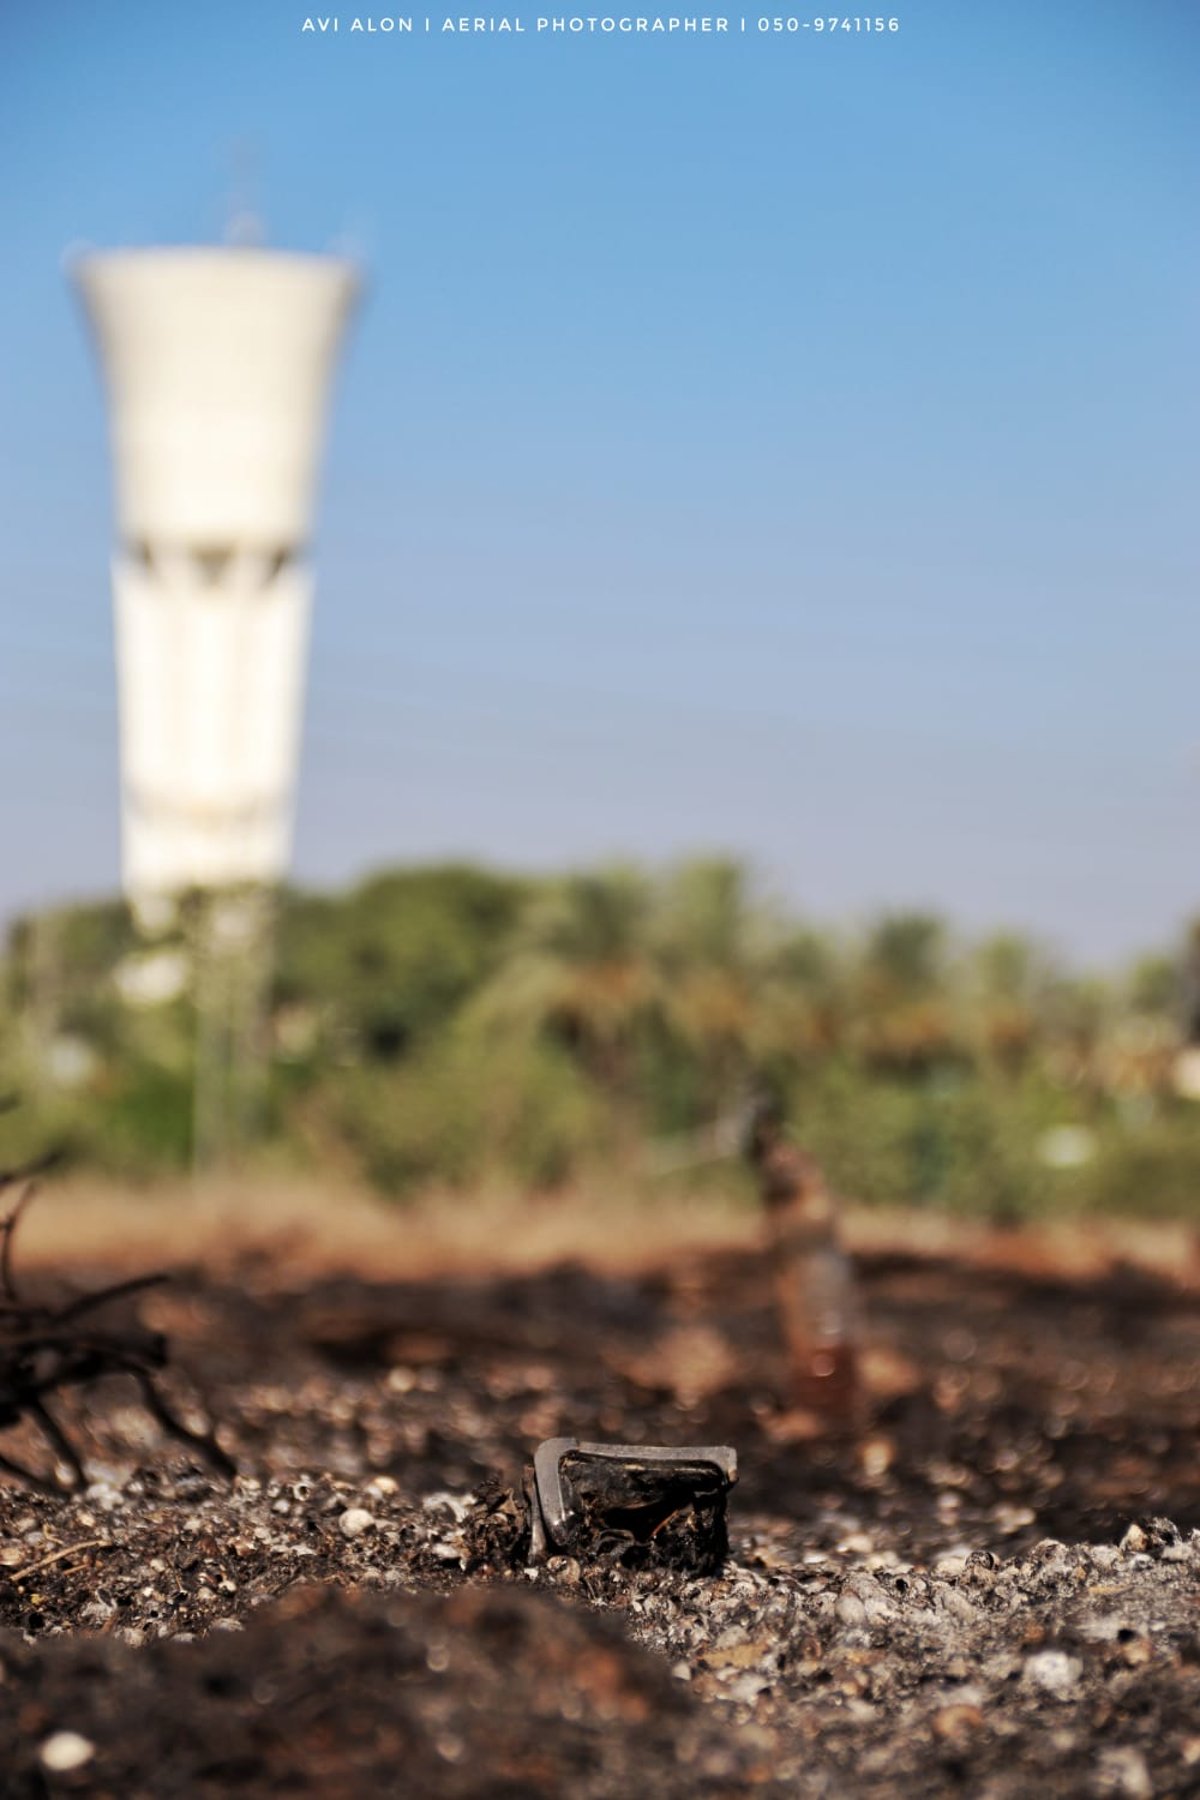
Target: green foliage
point(439, 1027)
point(1153, 986)
point(145, 1120)
point(1151, 1173)
point(450, 1116)
point(905, 954)
point(389, 962)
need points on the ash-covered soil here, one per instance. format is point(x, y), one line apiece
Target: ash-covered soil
point(991, 1587)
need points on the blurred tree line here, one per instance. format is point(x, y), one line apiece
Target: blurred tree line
point(447, 1026)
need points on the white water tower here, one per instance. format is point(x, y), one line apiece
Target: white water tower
point(217, 364)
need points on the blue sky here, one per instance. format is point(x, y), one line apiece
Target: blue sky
point(776, 444)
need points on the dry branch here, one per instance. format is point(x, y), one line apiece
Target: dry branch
point(46, 1350)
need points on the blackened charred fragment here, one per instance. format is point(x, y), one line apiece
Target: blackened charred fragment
point(642, 1506)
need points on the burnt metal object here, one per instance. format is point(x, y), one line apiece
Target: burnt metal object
point(642, 1505)
point(45, 1350)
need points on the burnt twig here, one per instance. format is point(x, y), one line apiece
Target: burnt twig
point(46, 1350)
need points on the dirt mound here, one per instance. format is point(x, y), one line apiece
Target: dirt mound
point(485, 1692)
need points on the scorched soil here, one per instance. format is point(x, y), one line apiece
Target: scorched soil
point(990, 1586)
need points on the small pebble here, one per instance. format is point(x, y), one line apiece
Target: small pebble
point(1123, 1771)
point(850, 1610)
point(1137, 1652)
point(355, 1520)
point(856, 1543)
point(876, 1456)
point(1011, 1519)
point(64, 1751)
point(957, 1721)
point(744, 1690)
point(566, 1570)
point(1054, 1672)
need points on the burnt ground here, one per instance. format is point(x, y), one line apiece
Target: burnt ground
point(991, 1588)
